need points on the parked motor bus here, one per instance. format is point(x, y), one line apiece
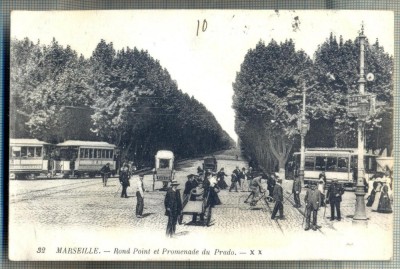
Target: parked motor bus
point(28, 158)
point(337, 163)
point(163, 168)
point(76, 158)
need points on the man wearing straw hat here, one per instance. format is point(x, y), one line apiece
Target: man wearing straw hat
point(173, 207)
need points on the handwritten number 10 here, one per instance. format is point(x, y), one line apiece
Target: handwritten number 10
point(203, 28)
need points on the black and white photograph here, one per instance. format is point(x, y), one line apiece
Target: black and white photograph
point(197, 135)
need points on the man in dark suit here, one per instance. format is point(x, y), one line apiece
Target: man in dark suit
point(173, 207)
point(334, 195)
point(278, 197)
point(296, 190)
point(313, 201)
point(124, 180)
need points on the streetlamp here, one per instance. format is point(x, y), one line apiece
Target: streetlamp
point(304, 125)
point(360, 107)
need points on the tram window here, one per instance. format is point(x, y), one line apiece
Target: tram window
point(343, 164)
point(103, 153)
point(24, 152)
point(38, 152)
point(87, 153)
point(90, 153)
point(320, 163)
point(99, 153)
point(94, 153)
point(309, 164)
point(81, 153)
point(331, 164)
point(30, 152)
point(16, 152)
point(370, 164)
point(164, 163)
point(111, 154)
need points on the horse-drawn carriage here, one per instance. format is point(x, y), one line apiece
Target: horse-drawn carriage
point(164, 168)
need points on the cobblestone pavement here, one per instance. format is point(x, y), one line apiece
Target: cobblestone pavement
point(84, 204)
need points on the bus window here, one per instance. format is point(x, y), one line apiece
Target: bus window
point(24, 152)
point(331, 163)
point(38, 152)
point(320, 163)
point(343, 164)
point(309, 164)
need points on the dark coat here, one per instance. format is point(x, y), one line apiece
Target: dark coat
point(335, 192)
point(313, 198)
point(278, 193)
point(105, 170)
point(173, 202)
point(296, 186)
point(189, 185)
point(124, 178)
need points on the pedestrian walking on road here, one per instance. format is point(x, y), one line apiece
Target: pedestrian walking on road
point(140, 196)
point(124, 180)
point(384, 205)
point(371, 197)
point(256, 189)
point(249, 177)
point(237, 173)
point(271, 184)
point(278, 197)
point(313, 201)
point(234, 180)
point(334, 196)
point(296, 190)
point(321, 188)
point(105, 172)
point(221, 179)
point(243, 179)
point(173, 207)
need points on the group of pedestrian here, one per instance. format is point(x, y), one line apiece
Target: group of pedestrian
point(380, 198)
point(242, 179)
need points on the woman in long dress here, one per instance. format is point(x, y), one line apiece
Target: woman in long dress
point(378, 193)
point(371, 197)
point(384, 205)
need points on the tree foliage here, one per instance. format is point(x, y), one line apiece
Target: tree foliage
point(124, 97)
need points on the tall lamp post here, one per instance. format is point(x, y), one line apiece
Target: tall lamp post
point(304, 126)
point(362, 113)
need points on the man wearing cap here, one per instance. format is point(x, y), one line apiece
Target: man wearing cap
point(173, 207)
point(313, 201)
point(140, 196)
point(124, 180)
point(296, 189)
point(278, 197)
point(334, 195)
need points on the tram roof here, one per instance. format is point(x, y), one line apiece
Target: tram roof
point(27, 142)
point(79, 143)
point(165, 154)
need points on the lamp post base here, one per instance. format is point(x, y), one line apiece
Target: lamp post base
point(360, 213)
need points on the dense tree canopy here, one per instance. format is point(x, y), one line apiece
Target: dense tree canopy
point(124, 97)
point(267, 98)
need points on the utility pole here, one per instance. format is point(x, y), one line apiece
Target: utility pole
point(304, 126)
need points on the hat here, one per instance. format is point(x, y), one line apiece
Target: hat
point(279, 180)
point(191, 175)
point(174, 183)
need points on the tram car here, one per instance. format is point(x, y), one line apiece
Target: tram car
point(164, 168)
point(76, 158)
point(28, 158)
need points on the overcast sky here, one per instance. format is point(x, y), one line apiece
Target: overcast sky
point(204, 64)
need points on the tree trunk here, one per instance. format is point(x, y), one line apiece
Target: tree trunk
point(280, 147)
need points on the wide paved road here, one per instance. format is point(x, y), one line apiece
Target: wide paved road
point(82, 211)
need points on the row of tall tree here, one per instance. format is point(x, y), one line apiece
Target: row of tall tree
point(123, 97)
point(268, 98)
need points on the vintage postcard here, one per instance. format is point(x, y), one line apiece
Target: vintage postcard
point(201, 135)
